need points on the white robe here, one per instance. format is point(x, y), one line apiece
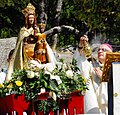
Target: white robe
point(86, 69)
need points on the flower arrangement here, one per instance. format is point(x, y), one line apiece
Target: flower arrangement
point(59, 81)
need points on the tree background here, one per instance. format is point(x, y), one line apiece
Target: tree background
point(99, 19)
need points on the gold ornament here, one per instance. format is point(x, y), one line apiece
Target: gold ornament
point(87, 50)
point(30, 9)
point(115, 94)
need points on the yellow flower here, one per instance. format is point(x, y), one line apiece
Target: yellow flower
point(18, 83)
point(1, 85)
point(10, 85)
point(85, 80)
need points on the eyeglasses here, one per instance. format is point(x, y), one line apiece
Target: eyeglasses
point(103, 49)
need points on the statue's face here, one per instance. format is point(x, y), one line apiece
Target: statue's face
point(31, 19)
point(42, 27)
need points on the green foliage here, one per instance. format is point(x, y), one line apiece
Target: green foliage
point(94, 15)
point(85, 15)
point(6, 32)
point(59, 81)
point(47, 105)
point(116, 41)
point(71, 79)
point(11, 17)
point(3, 90)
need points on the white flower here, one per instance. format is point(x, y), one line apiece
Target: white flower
point(75, 78)
point(57, 78)
point(53, 95)
point(47, 72)
point(64, 66)
point(42, 90)
point(69, 73)
point(36, 74)
point(59, 65)
point(30, 74)
point(34, 63)
point(49, 67)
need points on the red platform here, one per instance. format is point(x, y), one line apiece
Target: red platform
point(76, 104)
point(18, 103)
point(73, 105)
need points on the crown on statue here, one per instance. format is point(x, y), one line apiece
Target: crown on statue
point(30, 9)
point(42, 25)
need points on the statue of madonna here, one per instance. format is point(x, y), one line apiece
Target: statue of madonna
point(30, 45)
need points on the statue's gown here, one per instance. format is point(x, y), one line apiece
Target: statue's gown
point(18, 56)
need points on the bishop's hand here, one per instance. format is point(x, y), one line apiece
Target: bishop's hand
point(83, 41)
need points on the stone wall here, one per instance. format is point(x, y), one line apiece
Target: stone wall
point(5, 46)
